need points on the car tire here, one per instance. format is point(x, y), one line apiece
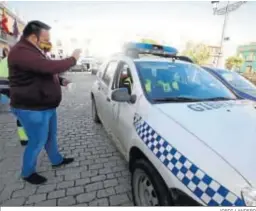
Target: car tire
point(155, 187)
point(95, 115)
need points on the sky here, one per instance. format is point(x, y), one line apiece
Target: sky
point(104, 26)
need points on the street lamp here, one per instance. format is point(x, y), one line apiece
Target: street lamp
point(215, 5)
point(230, 7)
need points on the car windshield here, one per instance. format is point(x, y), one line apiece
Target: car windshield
point(179, 82)
point(237, 81)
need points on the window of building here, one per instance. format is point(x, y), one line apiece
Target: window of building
point(254, 57)
point(249, 69)
point(250, 57)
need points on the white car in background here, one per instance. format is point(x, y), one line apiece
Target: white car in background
point(187, 138)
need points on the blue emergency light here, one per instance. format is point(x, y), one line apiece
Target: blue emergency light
point(146, 48)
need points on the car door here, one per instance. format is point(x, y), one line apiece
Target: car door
point(123, 113)
point(104, 93)
point(97, 87)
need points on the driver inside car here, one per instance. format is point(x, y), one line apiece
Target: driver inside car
point(125, 80)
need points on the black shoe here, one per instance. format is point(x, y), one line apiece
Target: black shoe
point(64, 162)
point(23, 143)
point(35, 179)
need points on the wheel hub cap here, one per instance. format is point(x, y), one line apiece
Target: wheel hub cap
point(144, 191)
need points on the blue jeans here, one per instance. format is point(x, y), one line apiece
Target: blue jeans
point(41, 128)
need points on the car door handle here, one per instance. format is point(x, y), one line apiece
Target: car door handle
point(108, 99)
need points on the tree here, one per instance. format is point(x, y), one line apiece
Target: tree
point(198, 52)
point(234, 62)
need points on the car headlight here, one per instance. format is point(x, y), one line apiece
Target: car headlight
point(249, 196)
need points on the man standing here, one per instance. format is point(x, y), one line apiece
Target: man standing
point(35, 94)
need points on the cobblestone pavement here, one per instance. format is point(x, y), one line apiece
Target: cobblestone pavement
point(98, 177)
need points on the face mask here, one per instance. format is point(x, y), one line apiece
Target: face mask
point(45, 46)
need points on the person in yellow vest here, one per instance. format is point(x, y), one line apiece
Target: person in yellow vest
point(4, 83)
point(126, 80)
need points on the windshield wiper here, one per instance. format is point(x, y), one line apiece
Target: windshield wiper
point(218, 99)
point(177, 99)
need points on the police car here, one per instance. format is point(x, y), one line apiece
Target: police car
point(235, 82)
point(187, 138)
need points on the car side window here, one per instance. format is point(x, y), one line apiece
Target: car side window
point(123, 78)
point(109, 72)
point(101, 70)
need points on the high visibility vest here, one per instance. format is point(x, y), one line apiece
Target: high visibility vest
point(166, 86)
point(148, 86)
point(128, 80)
point(4, 72)
point(175, 85)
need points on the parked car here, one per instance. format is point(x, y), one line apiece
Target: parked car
point(235, 82)
point(94, 71)
point(78, 68)
point(181, 130)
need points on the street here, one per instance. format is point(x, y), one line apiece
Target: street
point(98, 177)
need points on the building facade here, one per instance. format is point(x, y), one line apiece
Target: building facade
point(248, 53)
point(7, 39)
point(57, 51)
point(214, 55)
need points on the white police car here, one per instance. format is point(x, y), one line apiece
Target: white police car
point(187, 138)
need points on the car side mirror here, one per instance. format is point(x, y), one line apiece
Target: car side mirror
point(121, 95)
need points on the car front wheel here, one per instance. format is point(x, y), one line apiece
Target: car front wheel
point(148, 188)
